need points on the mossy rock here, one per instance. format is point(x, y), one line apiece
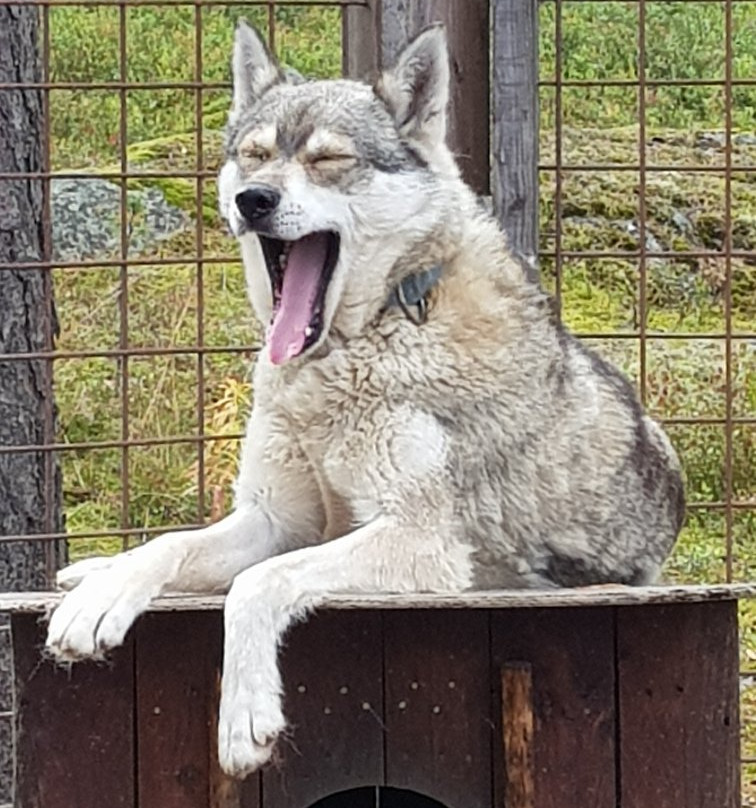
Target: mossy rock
point(179, 153)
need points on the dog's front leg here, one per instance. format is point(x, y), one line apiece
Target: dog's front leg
point(278, 508)
point(264, 600)
point(96, 615)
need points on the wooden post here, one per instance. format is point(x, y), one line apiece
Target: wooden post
point(361, 40)
point(515, 112)
point(517, 729)
point(393, 23)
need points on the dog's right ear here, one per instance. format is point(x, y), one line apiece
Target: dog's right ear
point(255, 69)
point(416, 89)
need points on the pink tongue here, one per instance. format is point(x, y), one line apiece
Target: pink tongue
point(286, 335)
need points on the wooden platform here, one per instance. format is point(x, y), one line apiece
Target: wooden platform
point(591, 698)
point(609, 595)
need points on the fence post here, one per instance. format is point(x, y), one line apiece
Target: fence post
point(361, 40)
point(515, 130)
point(395, 22)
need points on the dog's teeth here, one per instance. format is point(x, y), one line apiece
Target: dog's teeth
point(308, 331)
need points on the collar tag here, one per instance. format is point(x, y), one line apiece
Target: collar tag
point(413, 292)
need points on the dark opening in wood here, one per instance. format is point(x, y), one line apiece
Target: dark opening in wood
point(377, 797)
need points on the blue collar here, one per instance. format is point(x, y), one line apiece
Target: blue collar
point(413, 291)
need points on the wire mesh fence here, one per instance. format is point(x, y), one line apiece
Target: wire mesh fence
point(647, 192)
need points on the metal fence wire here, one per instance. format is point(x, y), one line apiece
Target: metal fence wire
point(646, 192)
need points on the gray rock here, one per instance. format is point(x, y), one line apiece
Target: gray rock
point(86, 219)
point(683, 223)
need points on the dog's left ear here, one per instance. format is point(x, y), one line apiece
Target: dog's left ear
point(255, 69)
point(416, 89)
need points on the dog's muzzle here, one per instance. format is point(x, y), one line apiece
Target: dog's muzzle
point(257, 201)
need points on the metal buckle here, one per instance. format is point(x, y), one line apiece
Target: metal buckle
point(418, 318)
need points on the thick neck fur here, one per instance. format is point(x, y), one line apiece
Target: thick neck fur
point(477, 269)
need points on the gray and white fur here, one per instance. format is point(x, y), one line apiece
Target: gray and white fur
point(483, 447)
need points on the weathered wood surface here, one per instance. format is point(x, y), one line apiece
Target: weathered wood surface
point(76, 731)
point(361, 51)
point(515, 129)
point(334, 702)
point(571, 655)
point(494, 599)
point(178, 660)
point(518, 722)
point(678, 703)
point(528, 708)
point(438, 705)
point(467, 31)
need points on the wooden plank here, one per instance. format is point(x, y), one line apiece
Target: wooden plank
point(467, 31)
point(75, 729)
point(178, 661)
point(361, 40)
point(40, 602)
point(515, 114)
point(517, 718)
point(334, 705)
point(678, 702)
point(571, 655)
point(438, 706)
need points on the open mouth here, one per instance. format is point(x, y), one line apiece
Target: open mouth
point(300, 272)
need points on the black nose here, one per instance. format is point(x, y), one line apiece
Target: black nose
point(257, 201)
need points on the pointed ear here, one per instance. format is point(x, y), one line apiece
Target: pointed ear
point(255, 69)
point(416, 89)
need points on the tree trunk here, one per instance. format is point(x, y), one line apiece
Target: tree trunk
point(29, 481)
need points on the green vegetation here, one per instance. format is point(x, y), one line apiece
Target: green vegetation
point(174, 395)
point(682, 41)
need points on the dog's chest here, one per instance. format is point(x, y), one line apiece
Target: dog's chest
point(341, 424)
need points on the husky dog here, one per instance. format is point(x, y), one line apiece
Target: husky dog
point(422, 421)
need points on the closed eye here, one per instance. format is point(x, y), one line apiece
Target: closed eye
point(325, 158)
point(256, 155)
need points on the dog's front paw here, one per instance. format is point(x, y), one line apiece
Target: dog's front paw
point(95, 616)
point(248, 728)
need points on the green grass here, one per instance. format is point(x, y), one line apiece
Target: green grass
point(166, 395)
point(683, 41)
